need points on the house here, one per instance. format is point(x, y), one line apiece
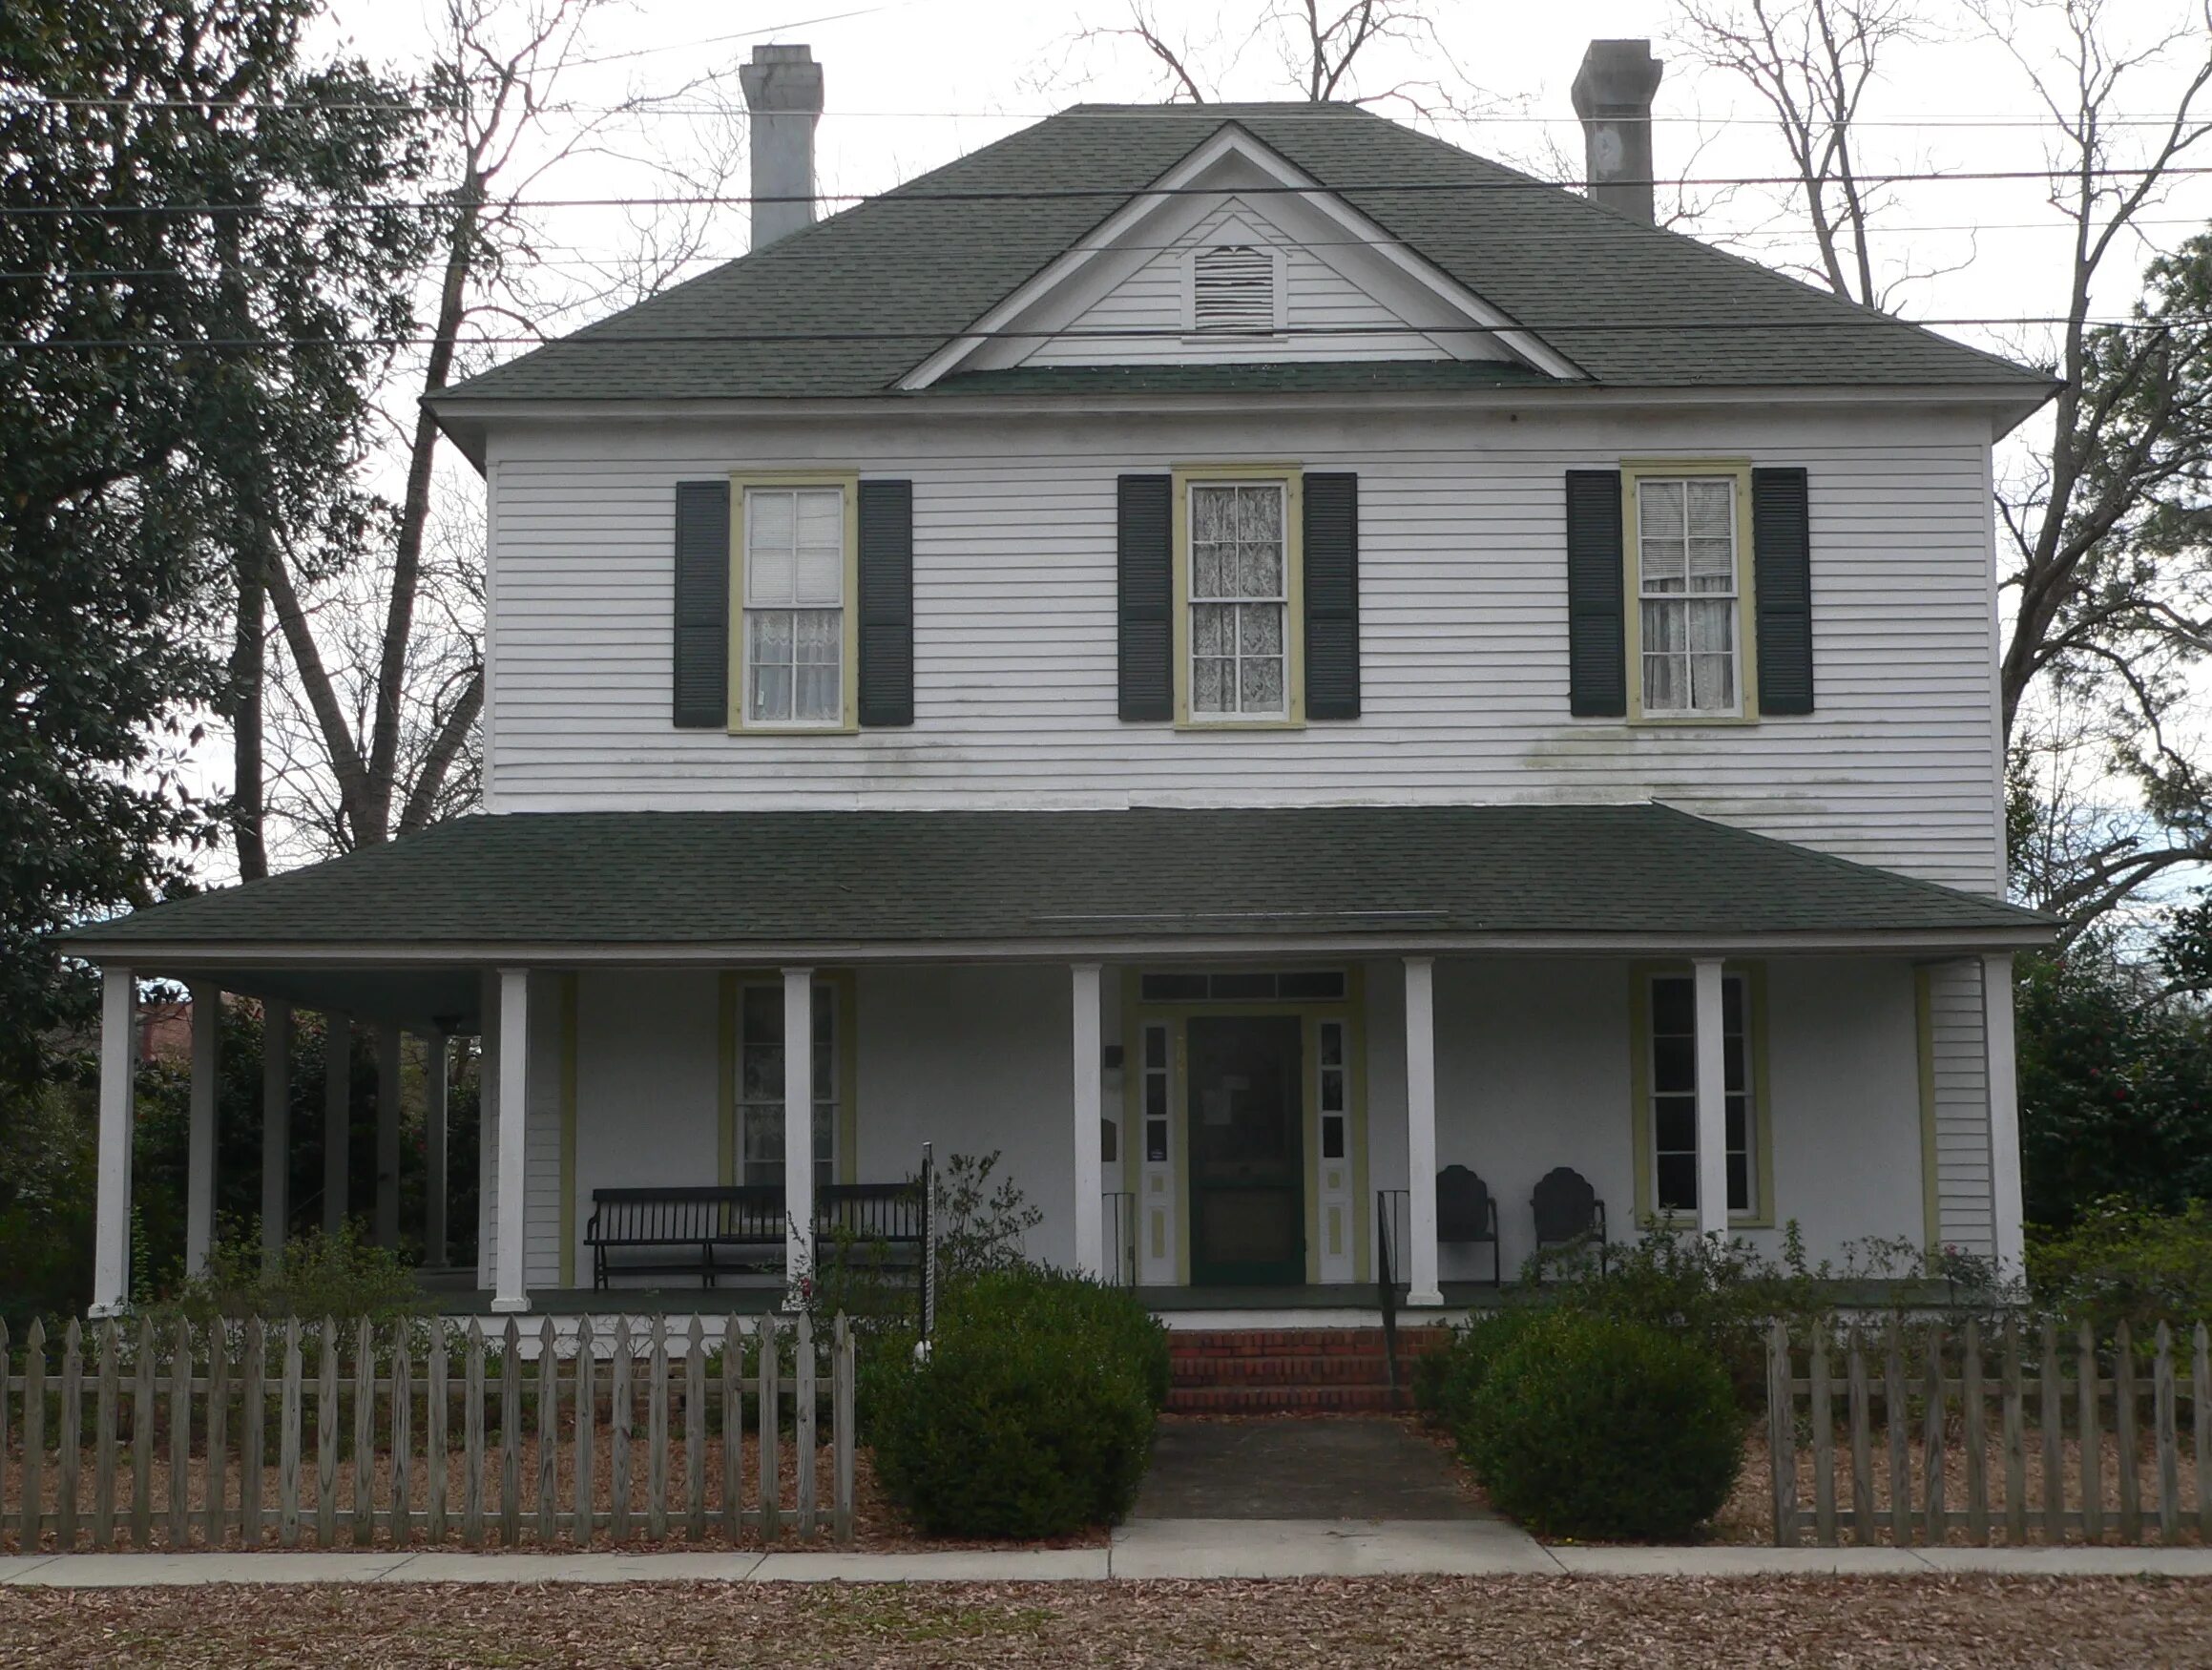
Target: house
point(1243, 658)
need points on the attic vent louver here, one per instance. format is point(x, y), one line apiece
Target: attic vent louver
point(1233, 289)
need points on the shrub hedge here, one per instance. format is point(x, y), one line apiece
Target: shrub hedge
point(1590, 1427)
point(1032, 1414)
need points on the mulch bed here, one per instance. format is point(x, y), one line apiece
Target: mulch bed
point(1563, 1623)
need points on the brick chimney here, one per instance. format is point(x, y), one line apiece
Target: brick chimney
point(1613, 95)
point(784, 91)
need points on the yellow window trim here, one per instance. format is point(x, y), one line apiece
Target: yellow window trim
point(847, 1009)
point(1639, 978)
point(1632, 471)
point(1292, 477)
point(848, 723)
point(1351, 1009)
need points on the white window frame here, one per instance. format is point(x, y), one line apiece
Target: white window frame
point(1745, 1041)
point(1289, 598)
point(829, 1087)
point(744, 608)
point(1659, 474)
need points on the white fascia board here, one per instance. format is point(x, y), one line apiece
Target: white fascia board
point(1230, 140)
point(184, 957)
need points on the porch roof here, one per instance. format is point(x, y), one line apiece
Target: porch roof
point(801, 882)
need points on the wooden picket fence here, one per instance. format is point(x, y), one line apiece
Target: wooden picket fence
point(241, 1438)
point(2025, 1432)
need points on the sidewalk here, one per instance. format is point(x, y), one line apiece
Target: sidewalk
point(1146, 1549)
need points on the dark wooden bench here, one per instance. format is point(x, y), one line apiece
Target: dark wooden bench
point(729, 1229)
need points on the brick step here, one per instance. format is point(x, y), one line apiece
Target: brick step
point(1276, 1400)
point(1298, 1342)
point(1339, 1371)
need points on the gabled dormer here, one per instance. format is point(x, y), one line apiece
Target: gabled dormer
point(1237, 256)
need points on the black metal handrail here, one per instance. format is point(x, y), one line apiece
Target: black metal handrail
point(1391, 1207)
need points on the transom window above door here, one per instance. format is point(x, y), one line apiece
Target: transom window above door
point(1239, 629)
point(795, 606)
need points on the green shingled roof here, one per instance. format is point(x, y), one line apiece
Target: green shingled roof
point(878, 288)
point(924, 878)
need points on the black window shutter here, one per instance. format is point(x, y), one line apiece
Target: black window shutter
point(1145, 595)
point(1782, 576)
point(1333, 597)
point(1597, 635)
point(886, 602)
point(701, 639)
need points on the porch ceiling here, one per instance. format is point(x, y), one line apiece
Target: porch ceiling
point(933, 883)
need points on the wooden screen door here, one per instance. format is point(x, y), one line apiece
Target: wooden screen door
point(1247, 1162)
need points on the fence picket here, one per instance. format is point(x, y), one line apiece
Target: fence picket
point(1932, 1434)
point(2088, 1426)
point(657, 1433)
point(326, 1436)
point(1781, 1435)
point(771, 1419)
point(31, 1507)
point(1975, 1401)
point(1862, 1440)
point(2124, 1399)
point(2201, 1424)
point(68, 1442)
point(694, 1431)
point(1894, 1418)
point(2054, 1440)
point(2168, 1442)
point(142, 1440)
point(733, 1427)
point(253, 1431)
point(841, 1371)
point(586, 1433)
point(437, 1408)
point(472, 1438)
point(214, 1511)
point(802, 1425)
point(619, 1413)
point(510, 1434)
point(2015, 1428)
point(402, 1521)
point(363, 1434)
point(103, 1437)
point(288, 1441)
point(548, 1433)
point(180, 1440)
point(1823, 1440)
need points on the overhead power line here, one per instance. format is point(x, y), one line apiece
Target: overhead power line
point(1092, 194)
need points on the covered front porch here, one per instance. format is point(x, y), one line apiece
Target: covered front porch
point(1239, 1084)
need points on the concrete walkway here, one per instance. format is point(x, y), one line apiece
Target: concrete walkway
point(1158, 1549)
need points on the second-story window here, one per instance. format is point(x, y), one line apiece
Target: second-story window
point(1687, 595)
point(1240, 601)
point(793, 604)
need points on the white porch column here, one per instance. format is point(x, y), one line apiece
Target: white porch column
point(1090, 1168)
point(337, 1115)
point(437, 1073)
point(1712, 1100)
point(2006, 1207)
point(797, 1131)
point(387, 1135)
point(1422, 1287)
point(275, 1129)
point(118, 1087)
point(507, 1291)
point(200, 1141)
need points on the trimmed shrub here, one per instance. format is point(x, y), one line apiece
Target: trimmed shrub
point(1032, 1416)
point(2122, 1263)
point(1588, 1426)
point(1445, 1381)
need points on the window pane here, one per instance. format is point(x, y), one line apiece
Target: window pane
point(1676, 1181)
point(1260, 571)
point(1206, 578)
point(1674, 1066)
point(820, 578)
point(1712, 509)
point(771, 630)
point(771, 692)
point(1732, 1003)
point(1212, 684)
point(1259, 629)
point(769, 521)
point(1732, 1065)
point(1713, 683)
point(1675, 1124)
point(1659, 511)
point(763, 1143)
point(1262, 686)
point(1738, 1183)
point(1711, 628)
point(1332, 1036)
point(1674, 1005)
point(1212, 516)
point(1314, 982)
point(1332, 1137)
point(1736, 1116)
point(1712, 564)
point(822, 519)
point(1667, 627)
point(1156, 1096)
point(1332, 1092)
point(1154, 1141)
point(1213, 630)
point(1155, 1043)
point(824, 1130)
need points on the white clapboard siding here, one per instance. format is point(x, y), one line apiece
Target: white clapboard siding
point(541, 1244)
point(1962, 1108)
point(1463, 622)
point(1330, 314)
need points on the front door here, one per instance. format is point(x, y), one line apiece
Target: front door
point(1248, 1164)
